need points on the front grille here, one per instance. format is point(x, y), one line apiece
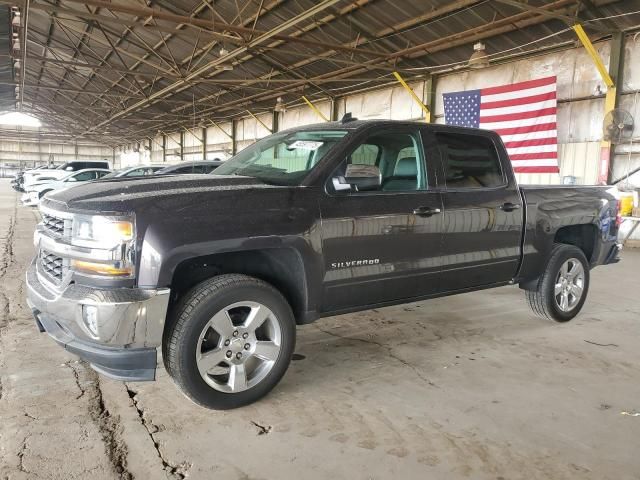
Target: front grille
point(53, 265)
point(55, 225)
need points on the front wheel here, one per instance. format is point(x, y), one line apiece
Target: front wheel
point(562, 288)
point(231, 342)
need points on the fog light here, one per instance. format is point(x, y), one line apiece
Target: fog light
point(90, 318)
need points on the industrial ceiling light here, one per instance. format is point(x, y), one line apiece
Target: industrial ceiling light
point(280, 106)
point(19, 119)
point(226, 64)
point(479, 58)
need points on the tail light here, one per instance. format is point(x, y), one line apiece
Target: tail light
point(618, 215)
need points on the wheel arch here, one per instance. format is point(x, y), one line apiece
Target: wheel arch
point(583, 236)
point(283, 268)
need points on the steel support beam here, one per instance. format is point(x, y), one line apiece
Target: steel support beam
point(315, 109)
point(205, 68)
point(418, 100)
point(207, 24)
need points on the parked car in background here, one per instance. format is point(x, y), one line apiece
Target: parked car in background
point(39, 189)
point(31, 176)
point(18, 180)
point(217, 270)
point(137, 171)
point(201, 166)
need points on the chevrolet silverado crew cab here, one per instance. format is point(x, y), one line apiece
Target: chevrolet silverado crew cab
point(215, 271)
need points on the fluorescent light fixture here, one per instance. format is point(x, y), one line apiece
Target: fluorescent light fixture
point(19, 119)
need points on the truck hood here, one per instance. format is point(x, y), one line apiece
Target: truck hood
point(173, 192)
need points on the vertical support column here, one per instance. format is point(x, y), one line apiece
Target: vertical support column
point(334, 109)
point(429, 96)
point(616, 72)
point(181, 145)
point(204, 143)
point(275, 122)
point(610, 99)
point(164, 148)
point(234, 146)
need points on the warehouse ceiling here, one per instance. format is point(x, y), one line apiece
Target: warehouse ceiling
point(121, 71)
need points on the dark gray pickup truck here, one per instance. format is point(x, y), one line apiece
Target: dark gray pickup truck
point(215, 271)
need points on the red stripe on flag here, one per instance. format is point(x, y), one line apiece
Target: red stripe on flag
point(517, 116)
point(536, 170)
point(532, 143)
point(518, 86)
point(534, 156)
point(528, 129)
point(514, 102)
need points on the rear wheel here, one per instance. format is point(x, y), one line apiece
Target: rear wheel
point(562, 289)
point(231, 342)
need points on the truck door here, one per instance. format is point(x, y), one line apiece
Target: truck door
point(383, 244)
point(483, 215)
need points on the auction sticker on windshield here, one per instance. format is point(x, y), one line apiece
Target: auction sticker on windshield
point(305, 145)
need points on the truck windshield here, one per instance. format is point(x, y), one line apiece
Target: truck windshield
point(283, 158)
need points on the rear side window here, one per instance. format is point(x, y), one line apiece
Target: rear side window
point(85, 176)
point(96, 165)
point(470, 161)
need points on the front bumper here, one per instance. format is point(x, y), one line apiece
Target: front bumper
point(127, 328)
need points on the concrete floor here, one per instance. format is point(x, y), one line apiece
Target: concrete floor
point(472, 386)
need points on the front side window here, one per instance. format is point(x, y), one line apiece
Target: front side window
point(398, 156)
point(470, 161)
point(283, 158)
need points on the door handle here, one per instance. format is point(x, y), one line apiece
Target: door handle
point(426, 211)
point(509, 207)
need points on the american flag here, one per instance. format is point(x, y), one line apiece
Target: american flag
point(523, 114)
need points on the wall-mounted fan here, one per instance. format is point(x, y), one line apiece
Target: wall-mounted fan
point(617, 126)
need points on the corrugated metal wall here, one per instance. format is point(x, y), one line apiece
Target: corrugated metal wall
point(26, 154)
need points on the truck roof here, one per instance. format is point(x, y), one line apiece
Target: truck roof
point(357, 124)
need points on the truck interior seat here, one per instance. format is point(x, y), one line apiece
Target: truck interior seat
point(405, 176)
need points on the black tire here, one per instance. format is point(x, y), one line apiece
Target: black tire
point(191, 315)
point(542, 300)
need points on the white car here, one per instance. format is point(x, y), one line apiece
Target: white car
point(40, 188)
point(33, 176)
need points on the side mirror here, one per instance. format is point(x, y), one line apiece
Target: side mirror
point(69, 169)
point(360, 178)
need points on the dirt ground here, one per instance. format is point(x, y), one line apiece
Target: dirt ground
point(472, 386)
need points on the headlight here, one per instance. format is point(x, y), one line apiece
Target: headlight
point(101, 232)
point(110, 241)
